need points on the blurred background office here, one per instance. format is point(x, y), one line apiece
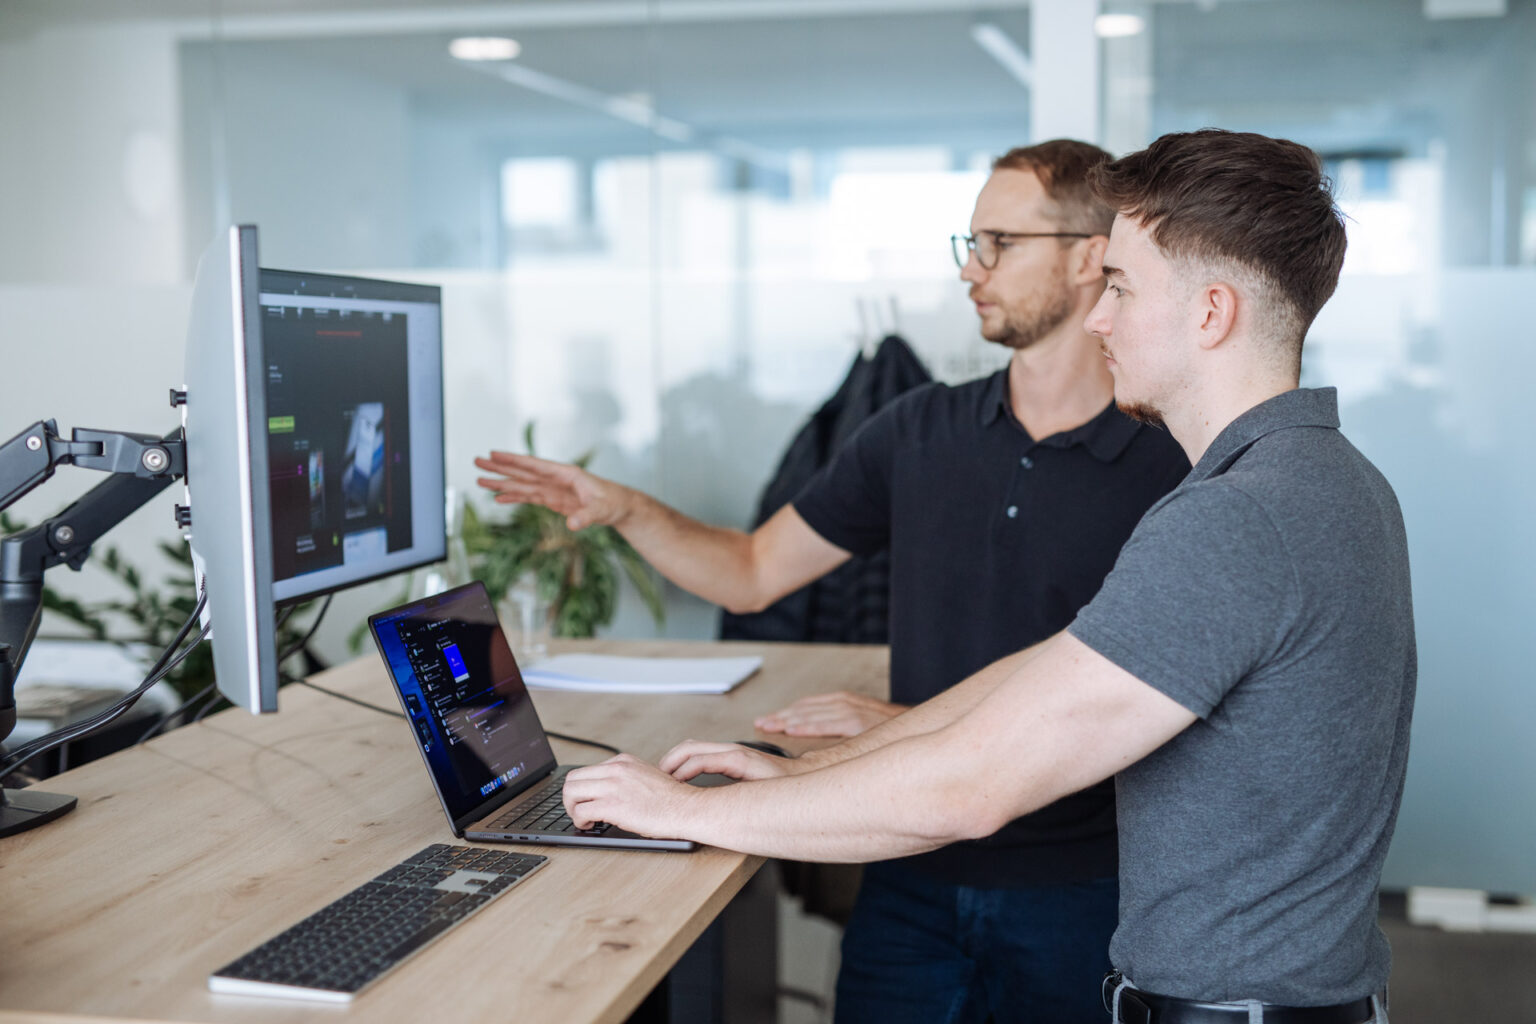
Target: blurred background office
point(664, 229)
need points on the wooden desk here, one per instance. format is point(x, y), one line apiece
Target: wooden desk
point(186, 852)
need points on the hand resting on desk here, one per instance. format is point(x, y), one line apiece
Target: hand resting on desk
point(830, 714)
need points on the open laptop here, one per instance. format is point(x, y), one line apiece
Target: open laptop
point(474, 723)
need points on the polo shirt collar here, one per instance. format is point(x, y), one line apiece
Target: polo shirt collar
point(1106, 436)
point(1300, 407)
point(994, 400)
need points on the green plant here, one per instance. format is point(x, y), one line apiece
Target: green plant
point(576, 572)
point(151, 613)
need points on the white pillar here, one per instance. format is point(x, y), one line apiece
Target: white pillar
point(1064, 51)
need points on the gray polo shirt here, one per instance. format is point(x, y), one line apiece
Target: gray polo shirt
point(1269, 595)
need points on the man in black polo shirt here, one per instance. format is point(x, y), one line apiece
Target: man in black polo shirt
point(1246, 672)
point(1003, 503)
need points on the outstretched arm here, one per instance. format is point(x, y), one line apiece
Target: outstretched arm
point(741, 571)
point(1065, 719)
point(694, 757)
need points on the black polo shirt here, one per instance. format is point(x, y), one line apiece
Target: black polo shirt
point(996, 541)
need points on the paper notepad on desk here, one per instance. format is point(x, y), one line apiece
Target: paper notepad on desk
point(607, 673)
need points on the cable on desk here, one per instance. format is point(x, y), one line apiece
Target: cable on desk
point(167, 661)
point(349, 700)
point(396, 714)
point(585, 743)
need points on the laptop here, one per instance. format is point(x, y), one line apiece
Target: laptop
point(473, 721)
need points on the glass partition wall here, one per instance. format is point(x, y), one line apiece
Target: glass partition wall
point(665, 229)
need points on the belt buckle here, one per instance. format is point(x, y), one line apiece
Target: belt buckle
point(1133, 1009)
point(1107, 990)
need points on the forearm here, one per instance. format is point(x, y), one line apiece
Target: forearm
point(929, 716)
point(910, 796)
point(712, 562)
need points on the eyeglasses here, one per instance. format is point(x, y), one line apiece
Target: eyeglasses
point(988, 245)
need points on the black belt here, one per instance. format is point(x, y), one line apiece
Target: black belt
point(1138, 1007)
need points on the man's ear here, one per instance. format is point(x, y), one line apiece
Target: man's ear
point(1090, 265)
point(1216, 307)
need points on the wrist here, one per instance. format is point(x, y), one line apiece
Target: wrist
point(625, 502)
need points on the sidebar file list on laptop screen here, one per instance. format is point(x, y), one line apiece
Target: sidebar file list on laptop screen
point(466, 701)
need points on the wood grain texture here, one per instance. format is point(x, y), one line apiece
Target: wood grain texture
point(186, 852)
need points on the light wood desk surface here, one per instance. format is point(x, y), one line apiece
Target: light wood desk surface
point(187, 851)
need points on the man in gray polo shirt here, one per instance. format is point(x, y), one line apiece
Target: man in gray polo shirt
point(1247, 670)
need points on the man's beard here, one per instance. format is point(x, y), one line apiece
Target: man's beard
point(1141, 412)
point(1054, 308)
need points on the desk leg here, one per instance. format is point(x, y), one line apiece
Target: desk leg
point(731, 974)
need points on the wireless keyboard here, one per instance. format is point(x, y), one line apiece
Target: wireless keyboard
point(336, 952)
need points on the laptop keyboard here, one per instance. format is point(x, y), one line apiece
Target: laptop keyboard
point(544, 811)
point(348, 944)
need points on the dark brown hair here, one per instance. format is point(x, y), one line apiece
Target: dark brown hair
point(1224, 197)
point(1062, 165)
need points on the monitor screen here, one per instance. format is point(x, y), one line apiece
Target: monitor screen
point(354, 429)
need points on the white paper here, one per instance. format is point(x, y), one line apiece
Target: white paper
point(607, 673)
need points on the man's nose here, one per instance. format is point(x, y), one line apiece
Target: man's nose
point(973, 271)
point(1097, 321)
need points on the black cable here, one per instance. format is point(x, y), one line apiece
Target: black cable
point(396, 714)
point(349, 700)
point(167, 661)
point(578, 739)
point(163, 719)
point(319, 616)
point(203, 711)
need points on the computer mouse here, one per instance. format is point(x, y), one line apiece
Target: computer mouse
point(765, 747)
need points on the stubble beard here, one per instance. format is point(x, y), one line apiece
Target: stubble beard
point(1021, 330)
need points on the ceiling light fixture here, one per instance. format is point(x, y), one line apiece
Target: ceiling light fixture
point(484, 48)
point(1118, 26)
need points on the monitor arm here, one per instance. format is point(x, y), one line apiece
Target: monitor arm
point(142, 466)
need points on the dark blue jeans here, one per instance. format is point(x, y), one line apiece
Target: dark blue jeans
point(923, 951)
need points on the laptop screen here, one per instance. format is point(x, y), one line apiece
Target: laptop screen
point(463, 694)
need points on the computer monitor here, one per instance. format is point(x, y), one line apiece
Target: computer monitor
point(354, 393)
point(314, 440)
point(225, 416)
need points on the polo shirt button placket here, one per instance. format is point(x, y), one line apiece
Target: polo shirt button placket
point(1027, 462)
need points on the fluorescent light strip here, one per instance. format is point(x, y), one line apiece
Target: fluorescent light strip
point(1001, 48)
point(636, 112)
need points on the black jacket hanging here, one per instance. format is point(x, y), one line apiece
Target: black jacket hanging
point(851, 604)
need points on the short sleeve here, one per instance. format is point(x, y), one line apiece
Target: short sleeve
point(1202, 594)
point(849, 501)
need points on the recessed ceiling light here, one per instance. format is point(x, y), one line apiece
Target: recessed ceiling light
point(484, 48)
point(1117, 26)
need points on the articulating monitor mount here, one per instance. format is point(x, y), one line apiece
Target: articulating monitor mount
point(142, 466)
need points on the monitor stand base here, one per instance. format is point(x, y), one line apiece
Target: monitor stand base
point(21, 809)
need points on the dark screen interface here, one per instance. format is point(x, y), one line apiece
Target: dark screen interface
point(338, 436)
point(463, 694)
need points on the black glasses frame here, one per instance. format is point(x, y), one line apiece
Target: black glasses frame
point(962, 246)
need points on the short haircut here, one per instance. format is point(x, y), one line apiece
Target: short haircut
point(1243, 203)
point(1062, 165)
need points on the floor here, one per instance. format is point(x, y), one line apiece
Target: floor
point(1438, 977)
